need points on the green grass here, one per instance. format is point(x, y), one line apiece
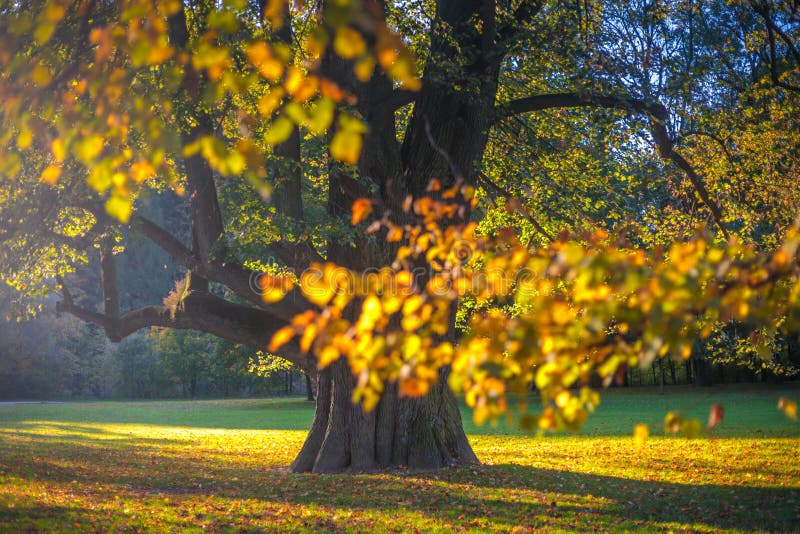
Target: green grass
point(221, 466)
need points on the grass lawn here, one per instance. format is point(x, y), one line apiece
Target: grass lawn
point(221, 466)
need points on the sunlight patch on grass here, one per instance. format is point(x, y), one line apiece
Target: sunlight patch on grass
point(155, 468)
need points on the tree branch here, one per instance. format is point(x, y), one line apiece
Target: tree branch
point(108, 277)
point(658, 120)
point(164, 240)
point(230, 274)
point(199, 311)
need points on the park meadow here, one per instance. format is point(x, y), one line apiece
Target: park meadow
point(221, 466)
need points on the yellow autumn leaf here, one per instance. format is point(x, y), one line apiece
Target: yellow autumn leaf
point(391, 304)
point(51, 174)
point(54, 12)
point(371, 311)
point(349, 43)
point(672, 423)
point(120, 208)
point(316, 287)
point(691, 428)
point(268, 103)
point(640, 434)
point(141, 171)
point(394, 234)
point(25, 137)
point(327, 356)
point(271, 69)
point(789, 407)
point(362, 207)
point(40, 75)
point(364, 68)
point(279, 131)
point(346, 146)
point(274, 288)
point(258, 52)
point(321, 116)
point(160, 53)
point(261, 56)
point(308, 337)
point(301, 86)
point(273, 12)
point(89, 148)
point(59, 152)
point(281, 338)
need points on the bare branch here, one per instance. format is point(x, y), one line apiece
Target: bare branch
point(654, 110)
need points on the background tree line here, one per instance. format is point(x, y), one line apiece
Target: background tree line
point(52, 356)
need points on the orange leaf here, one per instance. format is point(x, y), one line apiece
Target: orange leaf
point(59, 151)
point(413, 387)
point(361, 208)
point(51, 174)
point(281, 338)
point(274, 288)
point(715, 416)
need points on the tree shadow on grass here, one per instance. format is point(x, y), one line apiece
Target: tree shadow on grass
point(481, 497)
point(643, 502)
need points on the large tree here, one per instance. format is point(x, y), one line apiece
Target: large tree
point(581, 117)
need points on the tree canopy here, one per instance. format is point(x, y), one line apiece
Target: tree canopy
point(418, 194)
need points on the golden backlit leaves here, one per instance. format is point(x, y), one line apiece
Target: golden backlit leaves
point(112, 115)
point(59, 152)
point(262, 58)
point(274, 287)
point(584, 305)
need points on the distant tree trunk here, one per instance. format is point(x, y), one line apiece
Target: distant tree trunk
point(672, 372)
point(688, 366)
point(661, 374)
point(309, 388)
point(702, 372)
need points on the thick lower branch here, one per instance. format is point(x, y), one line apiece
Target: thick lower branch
point(232, 275)
point(199, 311)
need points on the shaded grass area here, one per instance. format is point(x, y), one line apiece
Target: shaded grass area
point(221, 466)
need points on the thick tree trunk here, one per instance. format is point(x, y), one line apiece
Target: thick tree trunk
point(444, 140)
point(424, 433)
